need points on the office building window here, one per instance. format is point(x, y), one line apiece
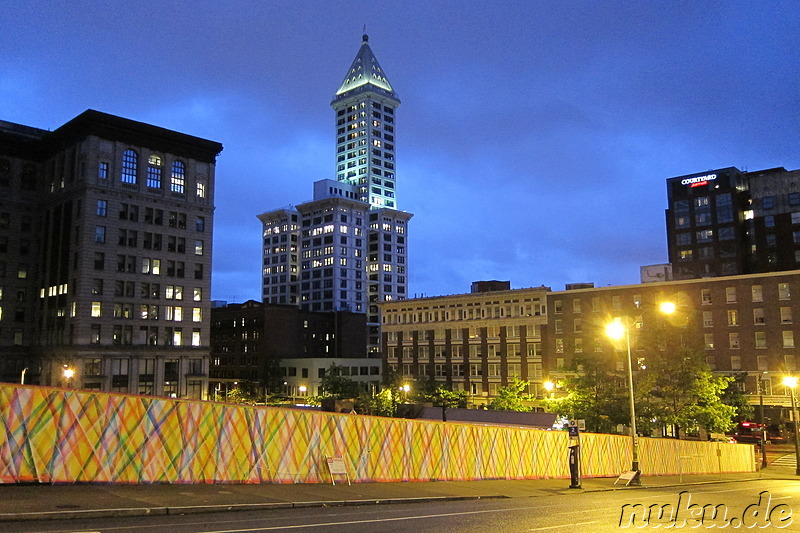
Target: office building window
point(178, 182)
point(154, 172)
point(130, 166)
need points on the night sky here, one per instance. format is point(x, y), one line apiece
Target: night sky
point(533, 140)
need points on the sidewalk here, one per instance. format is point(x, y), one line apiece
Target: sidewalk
point(51, 502)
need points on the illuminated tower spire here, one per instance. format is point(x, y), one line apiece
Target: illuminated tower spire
point(365, 147)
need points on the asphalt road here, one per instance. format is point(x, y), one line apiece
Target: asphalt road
point(756, 505)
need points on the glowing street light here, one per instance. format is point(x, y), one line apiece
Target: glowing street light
point(68, 372)
point(791, 382)
point(405, 389)
point(616, 330)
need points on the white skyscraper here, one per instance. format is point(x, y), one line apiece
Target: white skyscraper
point(347, 248)
point(365, 104)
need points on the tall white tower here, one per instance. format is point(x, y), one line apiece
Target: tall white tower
point(365, 147)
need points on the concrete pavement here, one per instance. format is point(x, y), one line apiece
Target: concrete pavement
point(52, 502)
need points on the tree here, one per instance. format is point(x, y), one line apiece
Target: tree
point(597, 393)
point(682, 390)
point(336, 385)
point(273, 378)
point(735, 397)
point(512, 397)
point(384, 403)
point(242, 394)
point(440, 396)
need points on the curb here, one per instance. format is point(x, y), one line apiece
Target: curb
point(200, 509)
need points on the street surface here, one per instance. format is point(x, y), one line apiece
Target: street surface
point(767, 504)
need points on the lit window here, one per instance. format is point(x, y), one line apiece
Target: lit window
point(178, 177)
point(96, 309)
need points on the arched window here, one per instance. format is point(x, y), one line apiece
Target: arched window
point(130, 166)
point(154, 172)
point(178, 177)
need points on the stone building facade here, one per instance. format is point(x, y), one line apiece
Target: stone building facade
point(108, 252)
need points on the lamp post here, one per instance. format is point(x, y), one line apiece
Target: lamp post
point(616, 330)
point(791, 382)
point(760, 390)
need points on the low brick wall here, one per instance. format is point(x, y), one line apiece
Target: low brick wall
point(62, 435)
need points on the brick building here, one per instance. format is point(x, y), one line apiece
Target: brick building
point(283, 345)
point(477, 342)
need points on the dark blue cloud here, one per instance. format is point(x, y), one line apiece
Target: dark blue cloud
point(533, 141)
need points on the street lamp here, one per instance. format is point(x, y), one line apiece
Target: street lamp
point(616, 330)
point(302, 390)
point(791, 382)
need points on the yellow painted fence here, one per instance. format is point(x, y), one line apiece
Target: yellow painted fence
point(61, 435)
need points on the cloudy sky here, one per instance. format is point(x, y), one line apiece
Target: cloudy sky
point(533, 140)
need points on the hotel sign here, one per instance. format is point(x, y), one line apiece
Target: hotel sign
point(697, 181)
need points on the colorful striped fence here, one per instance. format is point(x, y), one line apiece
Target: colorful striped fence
point(60, 435)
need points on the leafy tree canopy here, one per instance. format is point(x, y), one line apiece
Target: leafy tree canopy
point(513, 397)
